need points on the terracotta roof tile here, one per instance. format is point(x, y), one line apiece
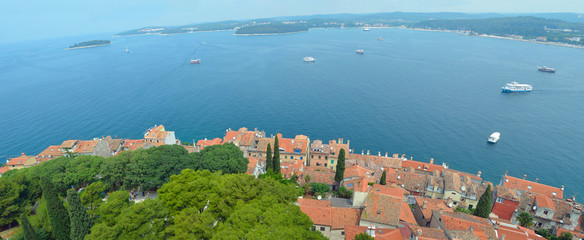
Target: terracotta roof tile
point(251, 166)
point(574, 233)
point(206, 143)
point(292, 168)
point(533, 187)
point(22, 160)
point(422, 166)
point(406, 214)
point(424, 233)
point(461, 221)
point(380, 233)
point(385, 162)
point(382, 208)
point(4, 170)
point(51, 152)
point(318, 175)
point(321, 212)
point(427, 205)
point(68, 144)
point(544, 201)
point(85, 146)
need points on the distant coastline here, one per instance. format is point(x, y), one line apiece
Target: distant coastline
point(267, 34)
point(88, 44)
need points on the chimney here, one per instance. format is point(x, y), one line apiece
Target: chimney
point(561, 188)
point(419, 232)
point(368, 152)
point(403, 155)
point(502, 237)
point(373, 231)
point(479, 174)
point(25, 155)
point(471, 229)
point(369, 230)
point(574, 198)
point(255, 129)
point(412, 158)
point(385, 154)
point(348, 142)
point(536, 179)
point(431, 160)
point(496, 225)
point(506, 173)
point(425, 204)
point(340, 141)
point(379, 153)
point(362, 152)
point(524, 176)
point(279, 136)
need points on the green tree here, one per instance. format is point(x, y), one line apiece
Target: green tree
point(319, 189)
point(363, 236)
point(81, 222)
point(29, 233)
point(91, 196)
point(382, 181)
point(226, 158)
point(566, 236)
point(344, 193)
point(269, 160)
point(276, 159)
point(111, 209)
point(60, 223)
point(544, 233)
point(525, 219)
point(484, 206)
point(10, 202)
point(340, 171)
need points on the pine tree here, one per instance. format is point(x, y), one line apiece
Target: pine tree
point(57, 213)
point(484, 206)
point(340, 171)
point(383, 180)
point(29, 233)
point(276, 159)
point(81, 222)
point(269, 160)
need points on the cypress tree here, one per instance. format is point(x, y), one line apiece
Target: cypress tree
point(276, 159)
point(484, 206)
point(340, 171)
point(57, 213)
point(269, 160)
point(81, 222)
point(29, 233)
point(382, 181)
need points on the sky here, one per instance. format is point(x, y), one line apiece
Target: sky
point(38, 19)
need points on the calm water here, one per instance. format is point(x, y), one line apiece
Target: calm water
point(425, 94)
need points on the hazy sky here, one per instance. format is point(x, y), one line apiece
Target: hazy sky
point(35, 19)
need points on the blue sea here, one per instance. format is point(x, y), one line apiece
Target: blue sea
point(423, 94)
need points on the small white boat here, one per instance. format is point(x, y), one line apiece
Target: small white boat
point(309, 59)
point(127, 50)
point(366, 29)
point(516, 87)
point(195, 61)
point(380, 38)
point(494, 138)
point(360, 51)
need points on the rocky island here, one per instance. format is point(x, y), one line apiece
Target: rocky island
point(88, 44)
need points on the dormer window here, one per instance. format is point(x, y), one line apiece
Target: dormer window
point(553, 193)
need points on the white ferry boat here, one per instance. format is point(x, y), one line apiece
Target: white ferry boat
point(517, 87)
point(309, 59)
point(360, 51)
point(494, 138)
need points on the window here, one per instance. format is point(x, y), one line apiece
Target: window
point(300, 158)
point(332, 161)
point(321, 228)
point(325, 157)
point(291, 157)
point(319, 157)
point(313, 228)
point(325, 165)
point(499, 200)
point(343, 233)
point(453, 193)
point(545, 212)
point(311, 156)
point(285, 157)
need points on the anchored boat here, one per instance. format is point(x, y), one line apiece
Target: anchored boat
point(494, 138)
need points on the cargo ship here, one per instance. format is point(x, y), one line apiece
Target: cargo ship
point(517, 87)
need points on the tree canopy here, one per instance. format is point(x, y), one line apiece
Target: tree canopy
point(484, 206)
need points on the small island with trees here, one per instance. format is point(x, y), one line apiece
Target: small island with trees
point(92, 43)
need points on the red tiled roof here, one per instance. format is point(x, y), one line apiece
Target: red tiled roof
point(574, 233)
point(318, 175)
point(544, 201)
point(380, 233)
point(289, 145)
point(382, 209)
point(51, 151)
point(422, 166)
point(461, 221)
point(505, 210)
point(533, 187)
point(321, 212)
point(385, 162)
point(430, 205)
point(251, 165)
point(133, 145)
point(291, 168)
point(20, 160)
point(157, 132)
point(68, 143)
point(85, 146)
point(4, 170)
point(406, 214)
point(424, 233)
point(230, 136)
point(206, 143)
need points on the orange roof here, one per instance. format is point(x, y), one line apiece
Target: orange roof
point(574, 233)
point(386, 162)
point(406, 214)
point(356, 171)
point(157, 132)
point(251, 165)
point(133, 145)
point(206, 143)
point(544, 201)
point(382, 209)
point(427, 205)
point(4, 169)
point(422, 166)
point(318, 175)
point(533, 187)
point(51, 151)
point(20, 160)
point(464, 222)
point(85, 146)
point(68, 144)
point(230, 136)
point(298, 144)
point(424, 233)
point(380, 233)
point(290, 168)
point(321, 212)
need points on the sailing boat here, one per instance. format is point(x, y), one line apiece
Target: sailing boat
point(127, 50)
